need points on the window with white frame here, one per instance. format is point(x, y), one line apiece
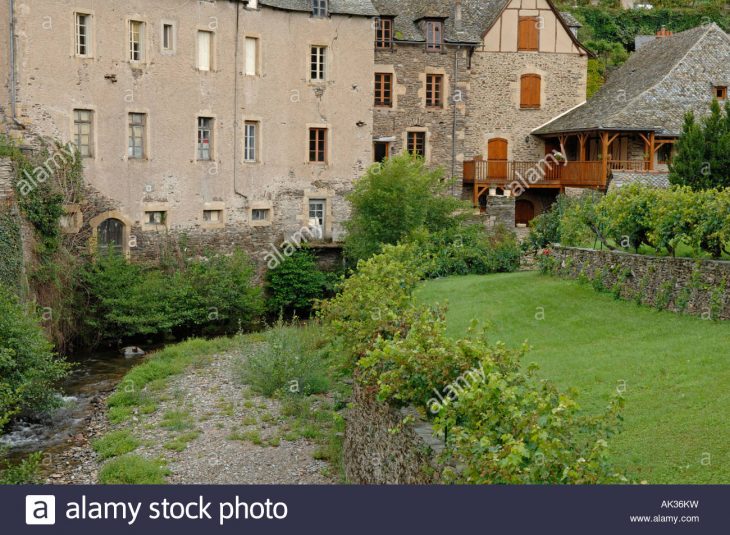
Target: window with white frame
point(250, 141)
point(320, 8)
point(205, 138)
point(83, 34)
point(252, 53)
point(83, 132)
point(137, 135)
point(318, 214)
point(136, 40)
point(205, 50)
point(318, 58)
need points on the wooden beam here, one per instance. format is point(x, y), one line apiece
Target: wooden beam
point(604, 156)
point(582, 138)
point(652, 150)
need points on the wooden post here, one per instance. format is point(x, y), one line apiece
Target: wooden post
point(604, 157)
point(582, 138)
point(652, 150)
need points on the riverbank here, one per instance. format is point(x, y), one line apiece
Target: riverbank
point(184, 417)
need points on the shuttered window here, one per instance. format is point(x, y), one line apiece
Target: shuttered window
point(528, 34)
point(252, 52)
point(205, 42)
point(530, 91)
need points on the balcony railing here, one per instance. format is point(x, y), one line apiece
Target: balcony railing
point(545, 173)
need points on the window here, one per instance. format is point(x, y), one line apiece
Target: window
point(417, 143)
point(205, 50)
point(530, 91)
point(155, 218)
point(721, 92)
point(168, 37)
point(384, 33)
point(252, 52)
point(317, 214)
point(318, 145)
point(319, 8)
point(383, 89)
point(213, 216)
point(260, 214)
point(528, 34)
point(317, 62)
point(205, 138)
point(434, 35)
point(381, 150)
point(83, 130)
point(664, 154)
point(110, 236)
point(250, 141)
point(137, 134)
point(83, 34)
point(434, 90)
point(136, 40)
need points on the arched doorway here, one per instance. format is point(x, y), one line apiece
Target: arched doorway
point(497, 150)
point(110, 235)
point(524, 211)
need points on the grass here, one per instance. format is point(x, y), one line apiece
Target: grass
point(673, 369)
point(115, 444)
point(133, 470)
point(181, 441)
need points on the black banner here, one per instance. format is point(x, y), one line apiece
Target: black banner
point(183, 510)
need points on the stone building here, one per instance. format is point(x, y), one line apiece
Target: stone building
point(468, 81)
point(234, 123)
point(627, 131)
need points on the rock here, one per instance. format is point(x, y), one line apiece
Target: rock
point(132, 351)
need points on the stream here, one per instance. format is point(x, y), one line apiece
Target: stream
point(94, 374)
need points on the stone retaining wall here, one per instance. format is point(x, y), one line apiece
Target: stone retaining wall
point(375, 455)
point(697, 287)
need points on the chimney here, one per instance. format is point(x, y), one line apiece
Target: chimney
point(663, 32)
point(458, 20)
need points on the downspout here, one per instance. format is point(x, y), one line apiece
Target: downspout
point(453, 126)
point(236, 123)
point(13, 89)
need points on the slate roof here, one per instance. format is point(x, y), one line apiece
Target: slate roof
point(619, 179)
point(337, 7)
point(623, 103)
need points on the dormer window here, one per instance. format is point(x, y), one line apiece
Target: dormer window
point(434, 35)
point(384, 33)
point(320, 8)
point(720, 92)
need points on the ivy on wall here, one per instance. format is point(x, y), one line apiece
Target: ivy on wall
point(11, 251)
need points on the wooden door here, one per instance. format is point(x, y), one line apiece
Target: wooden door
point(524, 211)
point(497, 150)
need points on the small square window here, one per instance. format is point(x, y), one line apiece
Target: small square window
point(260, 214)
point(721, 92)
point(213, 216)
point(155, 218)
point(320, 8)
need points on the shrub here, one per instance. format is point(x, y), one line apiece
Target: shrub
point(296, 283)
point(627, 215)
point(23, 473)
point(124, 300)
point(29, 371)
point(286, 362)
point(133, 470)
point(394, 199)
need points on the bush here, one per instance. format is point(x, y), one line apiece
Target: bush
point(466, 250)
point(394, 199)
point(23, 473)
point(296, 283)
point(287, 362)
point(124, 300)
point(29, 371)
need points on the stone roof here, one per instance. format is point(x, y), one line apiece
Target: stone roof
point(570, 20)
point(628, 101)
point(620, 179)
point(336, 7)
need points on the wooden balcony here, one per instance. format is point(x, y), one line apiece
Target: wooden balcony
point(546, 174)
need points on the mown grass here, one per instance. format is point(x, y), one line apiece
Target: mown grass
point(673, 370)
point(133, 470)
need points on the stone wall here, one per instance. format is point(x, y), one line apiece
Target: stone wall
point(374, 455)
point(700, 288)
point(500, 211)
point(6, 179)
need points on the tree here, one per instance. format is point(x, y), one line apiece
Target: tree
point(394, 199)
point(702, 159)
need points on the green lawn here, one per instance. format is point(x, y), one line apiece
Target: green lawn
point(676, 369)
